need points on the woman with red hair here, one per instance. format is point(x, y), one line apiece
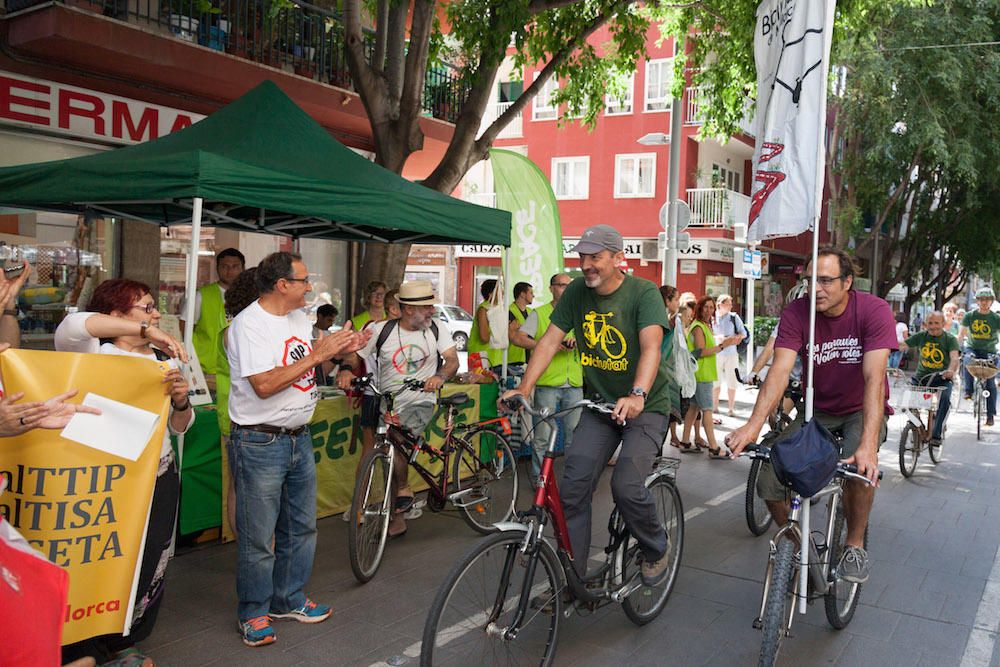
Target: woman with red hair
point(125, 322)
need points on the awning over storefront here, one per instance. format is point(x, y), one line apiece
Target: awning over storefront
point(261, 164)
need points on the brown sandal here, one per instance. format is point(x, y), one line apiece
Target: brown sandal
point(687, 447)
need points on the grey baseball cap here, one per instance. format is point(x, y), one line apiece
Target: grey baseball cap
point(598, 238)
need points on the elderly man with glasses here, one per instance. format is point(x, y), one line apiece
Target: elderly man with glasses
point(273, 371)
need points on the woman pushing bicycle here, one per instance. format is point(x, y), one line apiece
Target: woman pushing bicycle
point(622, 320)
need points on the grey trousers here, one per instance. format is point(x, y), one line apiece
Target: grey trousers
point(595, 439)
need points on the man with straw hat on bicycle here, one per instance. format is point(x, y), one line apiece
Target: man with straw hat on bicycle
point(619, 321)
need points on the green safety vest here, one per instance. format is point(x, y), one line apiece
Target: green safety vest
point(361, 319)
point(707, 371)
point(207, 329)
point(565, 367)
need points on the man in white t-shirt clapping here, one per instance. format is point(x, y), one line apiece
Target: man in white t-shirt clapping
point(272, 363)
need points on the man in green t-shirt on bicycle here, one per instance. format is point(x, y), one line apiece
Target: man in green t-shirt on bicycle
point(937, 355)
point(619, 322)
point(982, 327)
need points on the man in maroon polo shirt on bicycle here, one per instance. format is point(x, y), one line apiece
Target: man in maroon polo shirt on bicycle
point(855, 332)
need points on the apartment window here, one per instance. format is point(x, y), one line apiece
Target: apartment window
point(614, 104)
point(635, 175)
point(571, 177)
point(542, 107)
point(727, 178)
point(659, 78)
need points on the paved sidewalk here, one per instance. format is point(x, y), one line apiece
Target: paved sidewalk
point(933, 598)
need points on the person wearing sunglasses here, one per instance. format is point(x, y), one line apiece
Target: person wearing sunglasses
point(125, 322)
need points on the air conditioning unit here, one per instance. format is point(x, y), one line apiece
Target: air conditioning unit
point(650, 251)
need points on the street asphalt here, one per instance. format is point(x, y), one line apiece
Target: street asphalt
point(933, 598)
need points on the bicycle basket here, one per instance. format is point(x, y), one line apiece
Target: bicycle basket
point(806, 461)
point(981, 370)
point(920, 398)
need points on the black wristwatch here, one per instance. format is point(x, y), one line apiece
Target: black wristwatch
point(639, 391)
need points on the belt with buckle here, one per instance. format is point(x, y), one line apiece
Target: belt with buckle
point(273, 430)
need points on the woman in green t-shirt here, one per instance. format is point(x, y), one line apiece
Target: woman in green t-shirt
point(672, 302)
point(701, 342)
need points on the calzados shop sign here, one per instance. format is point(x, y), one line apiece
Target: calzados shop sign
point(79, 113)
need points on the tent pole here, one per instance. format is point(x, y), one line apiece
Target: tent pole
point(192, 274)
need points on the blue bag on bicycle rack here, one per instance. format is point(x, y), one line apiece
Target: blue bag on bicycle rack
point(806, 461)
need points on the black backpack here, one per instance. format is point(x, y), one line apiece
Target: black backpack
point(741, 349)
point(387, 329)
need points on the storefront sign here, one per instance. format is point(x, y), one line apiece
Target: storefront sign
point(56, 108)
point(689, 266)
point(715, 250)
point(427, 256)
point(633, 248)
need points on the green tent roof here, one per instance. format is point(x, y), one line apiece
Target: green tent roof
point(260, 164)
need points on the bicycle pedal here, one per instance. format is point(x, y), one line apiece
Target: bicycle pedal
point(758, 624)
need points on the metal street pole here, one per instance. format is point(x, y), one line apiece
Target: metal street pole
point(669, 273)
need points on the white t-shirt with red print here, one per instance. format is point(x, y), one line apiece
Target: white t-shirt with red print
point(257, 343)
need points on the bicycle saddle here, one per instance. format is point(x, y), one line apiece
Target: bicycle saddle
point(454, 399)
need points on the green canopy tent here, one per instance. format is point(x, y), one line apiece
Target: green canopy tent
point(260, 164)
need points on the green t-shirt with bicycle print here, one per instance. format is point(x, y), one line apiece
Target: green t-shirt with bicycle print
point(607, 334)
point(983, 330)
point(933, 352)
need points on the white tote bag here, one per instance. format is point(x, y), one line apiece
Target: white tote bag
point(497, 316)
point(684, 364)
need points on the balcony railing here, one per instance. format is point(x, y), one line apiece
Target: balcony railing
point(294, 36)
point(717, 207)
point(692, 115)
point(512, 131)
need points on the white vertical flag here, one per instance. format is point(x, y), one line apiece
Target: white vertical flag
point(792, 53)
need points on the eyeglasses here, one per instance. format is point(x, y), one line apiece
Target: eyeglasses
point(298, 280)
point(148, 307)
point(826, 281)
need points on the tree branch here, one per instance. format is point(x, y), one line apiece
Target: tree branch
point(396, 47)
point(366, 80)
point(414, 76)
point(378, 57)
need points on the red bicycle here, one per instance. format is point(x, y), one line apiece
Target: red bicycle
point(477, 475)
point(503, 600)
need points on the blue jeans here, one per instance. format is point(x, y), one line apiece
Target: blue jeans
point(275, 497)
point(991, 384)
point(944, 403)
point(895, 357)
point(553, 398)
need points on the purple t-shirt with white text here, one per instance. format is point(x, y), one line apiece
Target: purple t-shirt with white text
point(867, 324)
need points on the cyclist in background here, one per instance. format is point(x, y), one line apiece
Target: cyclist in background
point(938, 357)
point(982, 327)
point(619, 320)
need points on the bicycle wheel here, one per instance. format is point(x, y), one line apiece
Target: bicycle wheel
point(909, 450)
point(842, 600)
point(491, 485)
point(368, 528)
point(780, 598)
point(935, 449)
point(977, 409)
point(479, 599)
point(647, 602)
point(758, 516)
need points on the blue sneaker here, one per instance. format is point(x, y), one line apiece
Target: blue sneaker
point(257, 631)
point(310, 612)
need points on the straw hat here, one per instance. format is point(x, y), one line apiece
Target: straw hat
point(417, 293)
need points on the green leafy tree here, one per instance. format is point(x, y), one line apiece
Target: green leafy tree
point(409, 39)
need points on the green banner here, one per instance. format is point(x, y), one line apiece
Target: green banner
point(535, 236)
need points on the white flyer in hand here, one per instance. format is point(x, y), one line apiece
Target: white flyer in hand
point(120, 429)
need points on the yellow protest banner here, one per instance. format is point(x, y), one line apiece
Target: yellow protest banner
point(336, 437)
point(83, 509)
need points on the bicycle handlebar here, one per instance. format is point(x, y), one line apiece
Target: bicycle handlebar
point(520, 402)
point(843, 469)
point(368, 382)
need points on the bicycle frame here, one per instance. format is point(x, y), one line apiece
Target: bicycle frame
point(815, 569)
